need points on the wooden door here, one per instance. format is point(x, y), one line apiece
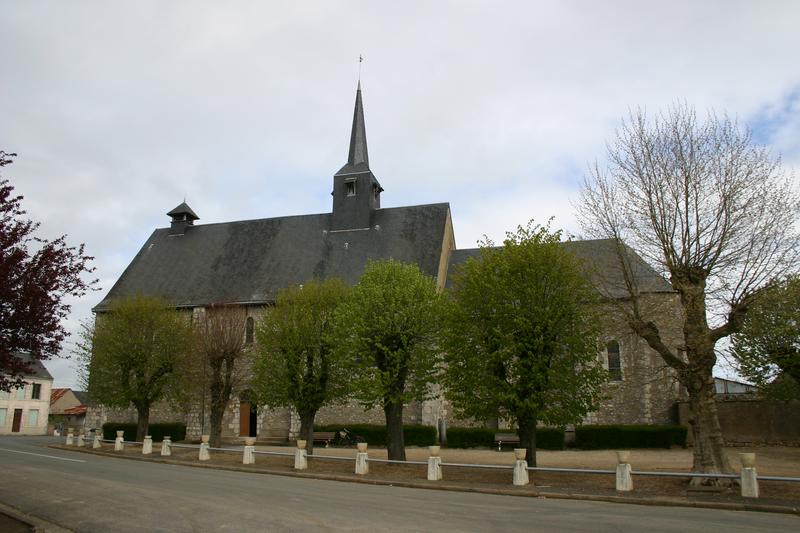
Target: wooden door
point(17, 421)
point(244, 419)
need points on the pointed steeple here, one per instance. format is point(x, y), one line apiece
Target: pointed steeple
point(357, 157)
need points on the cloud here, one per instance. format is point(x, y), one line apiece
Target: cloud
point(118, 111)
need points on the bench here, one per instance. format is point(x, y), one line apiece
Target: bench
point(324, 436)
point(505, 438)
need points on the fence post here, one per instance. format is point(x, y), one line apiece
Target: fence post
point(520, 467)
point(249, 458)
point(434, 464)
point(204, 455)
point(119, 445)
point(624, 479)
point(81, 440)
point(147, 445)
point(362, 464)
point(301, 455)
point(70, 437)
point(96, 442)
point(166, 446)
point(749, 479)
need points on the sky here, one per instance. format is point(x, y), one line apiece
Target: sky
point(120, 110)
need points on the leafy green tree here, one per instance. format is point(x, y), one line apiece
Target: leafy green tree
point(131, 352)
point(522, 332)
point(296, 365)
point(388, 329)
point(767, 348)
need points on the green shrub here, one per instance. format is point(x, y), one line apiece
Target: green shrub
point(375, 434)
point(546, 438)
point(616, 437)
point(176, 430)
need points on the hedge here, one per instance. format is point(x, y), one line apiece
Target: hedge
point(546, 438)
point(176, 430)
point(615, 437)
point(375, 434)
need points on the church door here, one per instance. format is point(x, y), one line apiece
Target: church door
point(248, 420)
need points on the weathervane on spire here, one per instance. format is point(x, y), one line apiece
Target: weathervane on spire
point(360, 60)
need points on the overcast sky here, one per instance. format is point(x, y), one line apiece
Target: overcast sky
point(120, 109)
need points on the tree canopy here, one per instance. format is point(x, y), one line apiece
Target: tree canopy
point(36, 276)
point(131, 353)
point(713, 211)
point(767, 348)
point(296, 365)
point(521, 340)
point(388, 330)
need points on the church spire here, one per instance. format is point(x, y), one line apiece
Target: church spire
point(358, 158)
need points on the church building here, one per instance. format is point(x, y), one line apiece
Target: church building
point(248, 262)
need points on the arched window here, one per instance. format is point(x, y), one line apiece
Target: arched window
point(248, 330)
point(614, 363)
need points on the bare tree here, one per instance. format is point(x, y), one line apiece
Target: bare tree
point(714, 213)
point(218, 361)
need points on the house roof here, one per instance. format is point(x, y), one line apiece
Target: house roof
point(600, 260)
point(249, 261)
point(77, 410)
point(57, 394)
point(37, 368)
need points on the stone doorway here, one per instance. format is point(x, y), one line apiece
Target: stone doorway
point(248, 419)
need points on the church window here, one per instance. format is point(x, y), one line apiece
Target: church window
point(350, 187)
point(614, 361)
point(249, 330)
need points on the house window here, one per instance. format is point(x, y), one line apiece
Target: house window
point(4, 395)
point(350, 187)
point(20, 394)
point(3, 412)
point(614, 363)
point(248, 330)
point(36, 391)
point(33, 418)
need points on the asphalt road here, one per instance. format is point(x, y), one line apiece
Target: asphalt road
point(89, 493)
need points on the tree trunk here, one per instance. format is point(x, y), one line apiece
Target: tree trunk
point(143, 421)
point(394, 431)
point(215, 423)
point(709, 451)
point(307, 429)
point(527, 438)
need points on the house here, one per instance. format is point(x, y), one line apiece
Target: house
point(67, 409)
point(248, 262)
point(24, 411)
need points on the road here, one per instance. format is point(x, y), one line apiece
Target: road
point(88, 493)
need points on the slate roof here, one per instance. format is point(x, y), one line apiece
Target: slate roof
point(249, 261)
point(600, 260)
point(38, 369)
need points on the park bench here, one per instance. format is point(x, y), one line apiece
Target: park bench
point(505, 438)
point(324, 436)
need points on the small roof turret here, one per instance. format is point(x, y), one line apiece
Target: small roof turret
point(182, 217)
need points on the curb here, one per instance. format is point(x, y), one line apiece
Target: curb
point(37, 525)
point(658, 501)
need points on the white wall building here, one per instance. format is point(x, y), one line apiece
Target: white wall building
point(24, 411)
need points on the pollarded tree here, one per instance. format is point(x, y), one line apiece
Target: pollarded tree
point(767, 348)
point(36, 276)
point(131, 354)
point(296, 365)
point(712, 211)
point(387, 328)
point(218, 359)
point(522, 335)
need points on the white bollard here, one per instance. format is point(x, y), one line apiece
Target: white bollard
point(119, 445)
point(70, 440)
point(249, 458)
point(434, 464)
point(166, 444)
point(520, 467)
point(204, 454)
point(362, 459)
point(81, 440)
point(301, 456)
point(96, 444)
point(624, 479)
point(147, 445)
point(749, 478)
